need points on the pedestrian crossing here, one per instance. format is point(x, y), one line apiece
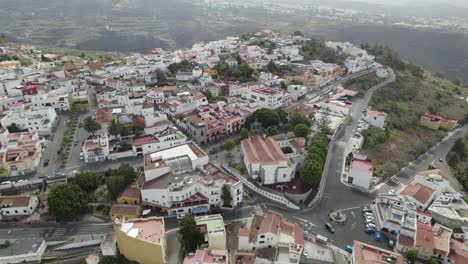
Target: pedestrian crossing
point(258, 210)
point(341, 143)
point(396, 182)
point(58, 234)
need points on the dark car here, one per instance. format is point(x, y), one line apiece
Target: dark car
point(330, 227)
point(80, 125)
point(75, 142)
point(46, 162)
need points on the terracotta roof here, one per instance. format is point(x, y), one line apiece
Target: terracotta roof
point(377, 113)
point(14, 201)
point(300, 108)
point(406, 241)
point(143, 140)
point(104, 115)
point(367, 254)
point(95, 65)
point(458, 254)
point(362, 165)
point(265, 151)
point(418, 191)
point(424, 237)
point(243, 232)
point(132, 192)
point(271, 223)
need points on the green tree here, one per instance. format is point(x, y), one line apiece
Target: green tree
point(297, 119)
point(87, 181)
point(319, 150)
point(115, 128)
point(115, 185)
point(432, 261)
point(66, 202)
point(323, 124)
point(229, 145)
point(272, 131)
point(226, 196)
point(412, 255)
point(13, 128)
point(311, 171)
point(459, 148)
point(283, 115)
point(189, 235)
point(244, 133)
point(91, 125)
point(301, 130)
point(265, 116)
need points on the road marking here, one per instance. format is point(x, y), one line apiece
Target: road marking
point(341, 143)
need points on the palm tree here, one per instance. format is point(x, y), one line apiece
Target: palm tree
point(91, 125)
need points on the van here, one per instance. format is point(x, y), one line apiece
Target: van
point(377, 236)
point(330, 227)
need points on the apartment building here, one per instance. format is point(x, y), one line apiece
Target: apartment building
point(21, 152)
point(142, 239)
point(272, 231)
point(59, 102)
point(213, 231)
point(365, 254)
point(40, 120)
point(161, 140)
point(269, 98)
point(96, 149)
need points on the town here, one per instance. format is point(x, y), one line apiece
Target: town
point(243, 150)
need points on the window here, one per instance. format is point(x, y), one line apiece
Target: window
point(16, 211)
point(262, 242)
point(24, 211)
point(262, 236)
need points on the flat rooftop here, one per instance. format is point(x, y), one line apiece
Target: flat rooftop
point(20, 246)
point(150, 229)
point(214, 224)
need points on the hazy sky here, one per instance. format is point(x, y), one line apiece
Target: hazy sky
point(463, 3)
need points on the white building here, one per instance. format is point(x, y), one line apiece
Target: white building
point(40, 120)
point(58, 101)
point(264, 159)
point(158, 141)
point(297, 91)
point(272, 231)
point(17, 206)
point(376, 118)
point(180, 180)
point(360, 172)
point(97, 149)
point(267, 97)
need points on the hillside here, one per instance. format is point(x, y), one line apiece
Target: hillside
point(413, 93)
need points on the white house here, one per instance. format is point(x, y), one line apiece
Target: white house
point(40, 120)
point(97, 149)
point(267, 97)
point(57, 101)
point(161, 140)
point(16, 206)
point(376, 118)
point(297, 91)
point(264, 159)
point(360, 171)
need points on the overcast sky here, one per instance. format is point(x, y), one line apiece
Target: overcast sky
point(463, 3)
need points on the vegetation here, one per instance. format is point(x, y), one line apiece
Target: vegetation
point(226, 196)
point(405, 100)
point(374, 136)
point(184, 65)
point(301, 130)
point(265, 116)
point(278, 69)
point(66, 202)
point(457, 159)
point(314, 49)
point(311, 169)
point(412, 255)
point(119, 179)
point(244, 133)
point(8, 57)
point(297, 119)
point(116, 260)
point(211, 98)
point(87, 181)
point(242, 72)
point(363, 83)
point(323, 123)
point(229, 145)
point(13, 128)
point(272, 131)
point(91, 125)
point(189, 235)
point(116, 129)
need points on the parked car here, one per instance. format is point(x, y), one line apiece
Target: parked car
point(369, 230)
point(366, 210)
point(369, 217)
point(349, 248)
point(75, 142)
point(330, 227)
point(370, 225)
point(80, 125)
point(46, 162)
point(5, 183)
point(391, 192)
point(378, 236)
point(81, 156)
point(391, 243)
point(368, 214)
point(441, 160)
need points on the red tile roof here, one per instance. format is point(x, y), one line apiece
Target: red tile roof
point(143, 140)
point(362, 165)
point(271, 223)
point(132, 192)
point(419, 192)
point(124, 209)
point(265, 151)
point(406, 241)
point(367, 254)
point(424, 237)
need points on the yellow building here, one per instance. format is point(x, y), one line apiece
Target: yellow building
point(142, 239)
point(10, 64)
point(131, 195)
point(23, 152)
point(126, 211)
point(212, 227)
point(437, 122)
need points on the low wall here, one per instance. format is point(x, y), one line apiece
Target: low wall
point(269, 195)
point(298, 198)
point(29, 257)
point(121, 155)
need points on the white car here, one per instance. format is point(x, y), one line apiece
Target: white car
point(5, 183)
point(81, 156)
point(391, 192)
point(370, 225)
point(366, 214)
